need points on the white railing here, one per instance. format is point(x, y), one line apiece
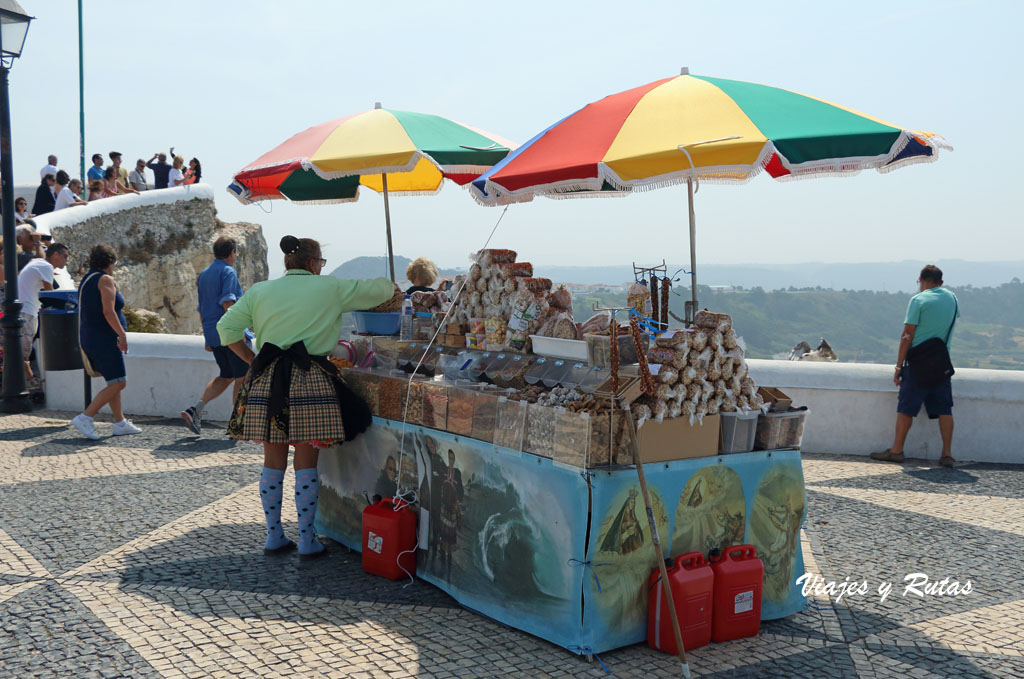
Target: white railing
point(853, 405)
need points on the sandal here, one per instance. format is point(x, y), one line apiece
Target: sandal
point(947, 461)
point(887, 456)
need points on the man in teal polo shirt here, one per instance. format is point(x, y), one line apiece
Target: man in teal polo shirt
point(931, 313)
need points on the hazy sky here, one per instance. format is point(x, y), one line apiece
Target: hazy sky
point(227, 80)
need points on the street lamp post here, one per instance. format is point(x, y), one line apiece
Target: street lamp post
point(13, 29)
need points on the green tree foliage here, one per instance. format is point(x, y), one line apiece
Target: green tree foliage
point(861, 325)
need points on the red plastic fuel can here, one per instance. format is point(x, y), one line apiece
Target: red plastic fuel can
point(739, 575)
point(389, 540)
point(692, 582)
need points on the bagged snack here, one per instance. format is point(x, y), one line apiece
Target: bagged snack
point(700, 339)
point(561, 299)
point(596, 324)
point(665, 356)
point(675, 339)
point(639, 299)
point(666, 375)
point(708, 319)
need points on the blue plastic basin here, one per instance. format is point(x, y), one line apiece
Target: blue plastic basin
point(384, 323)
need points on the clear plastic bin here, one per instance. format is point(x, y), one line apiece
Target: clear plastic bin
point(572, 437)
point(780, 430)
point(496, 366)
point(514, 373)
point(536, 372)
point(479, 366)
point(575, 375)
point(594, 379)
point(460, 411)
point(738, 431)
point(435, 406)
point(511, 421)
point(485, 416)
point(365, 385)
point(540, 430)
point(555, 373)
point(599, 348)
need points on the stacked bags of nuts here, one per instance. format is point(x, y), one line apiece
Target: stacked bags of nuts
point(700, 371)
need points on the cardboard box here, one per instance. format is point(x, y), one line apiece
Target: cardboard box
point(775, 398)
point(675, 439)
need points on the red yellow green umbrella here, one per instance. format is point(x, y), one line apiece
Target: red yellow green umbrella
point(389, 151)
point(689, 128)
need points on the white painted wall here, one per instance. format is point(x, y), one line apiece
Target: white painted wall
point(853, 410)
point(165, 374)
point(853, 405)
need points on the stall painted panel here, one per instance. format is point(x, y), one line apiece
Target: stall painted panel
point(505, 533)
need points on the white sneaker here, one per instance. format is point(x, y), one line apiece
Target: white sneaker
point(85, 426)
point(125, 427)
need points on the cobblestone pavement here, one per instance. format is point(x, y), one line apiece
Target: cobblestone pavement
point(140, 557)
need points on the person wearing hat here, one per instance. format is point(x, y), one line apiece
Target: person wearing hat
point(30, 245)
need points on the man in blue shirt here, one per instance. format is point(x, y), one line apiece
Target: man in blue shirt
point(96, 171)
point(160, 169)
point(218, 290)
point(932, 313)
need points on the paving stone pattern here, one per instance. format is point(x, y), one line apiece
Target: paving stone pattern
point(140, 556)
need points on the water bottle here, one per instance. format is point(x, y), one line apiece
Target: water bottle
point(407, 316)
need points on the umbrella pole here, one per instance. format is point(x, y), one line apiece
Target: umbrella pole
point(693, 254)
point(684, 666)
point(387, 224)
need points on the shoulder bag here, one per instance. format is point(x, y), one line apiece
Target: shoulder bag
point(929, 361)
point(89, 370)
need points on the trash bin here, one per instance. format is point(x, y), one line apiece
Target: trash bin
point(58, 330)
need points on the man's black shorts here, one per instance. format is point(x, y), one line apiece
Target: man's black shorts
point(231, 366)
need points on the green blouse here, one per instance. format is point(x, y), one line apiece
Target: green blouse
point(300, 306)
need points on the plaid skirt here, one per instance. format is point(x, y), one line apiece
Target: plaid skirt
point(313, 414)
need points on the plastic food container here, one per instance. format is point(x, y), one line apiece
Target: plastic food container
point(780, 430)
point(556, 347)
point(575, 375)
point(485, 416)
point(513, 374)
point(572, 437)
point(540, 430)
point(536, 372)
point(599, 348)
point(556, 372)
point(460, 411)
point(738, 430)
point(496, 366)
point(593, 380)
point(508, 433)
point(377, 323)
point(480, 365)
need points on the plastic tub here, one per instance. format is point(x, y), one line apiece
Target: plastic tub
point(556, 372)
point(599, 348)
point(738, 430)
point(537, 370)
point(556, 347)
point(575, 375)
point(780, 430)
point(377, 323)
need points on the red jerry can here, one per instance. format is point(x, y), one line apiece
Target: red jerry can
point(739, 576)
point(389, 540)
point(692, 582)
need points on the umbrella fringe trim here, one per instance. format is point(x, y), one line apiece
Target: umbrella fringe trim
point(589, 188)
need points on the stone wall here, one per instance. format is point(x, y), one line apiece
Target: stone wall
point(164, 240)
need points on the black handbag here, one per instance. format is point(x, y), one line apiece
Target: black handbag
point(929, 361)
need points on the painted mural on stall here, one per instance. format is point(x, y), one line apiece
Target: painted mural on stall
point(711, 512)
point(776, 514)
point(496, 529)
point(624, 554)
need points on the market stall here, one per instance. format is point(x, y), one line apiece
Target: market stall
point(513, 432)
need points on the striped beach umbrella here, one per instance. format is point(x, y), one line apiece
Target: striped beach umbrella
point(388, 151)
point(696, 128)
